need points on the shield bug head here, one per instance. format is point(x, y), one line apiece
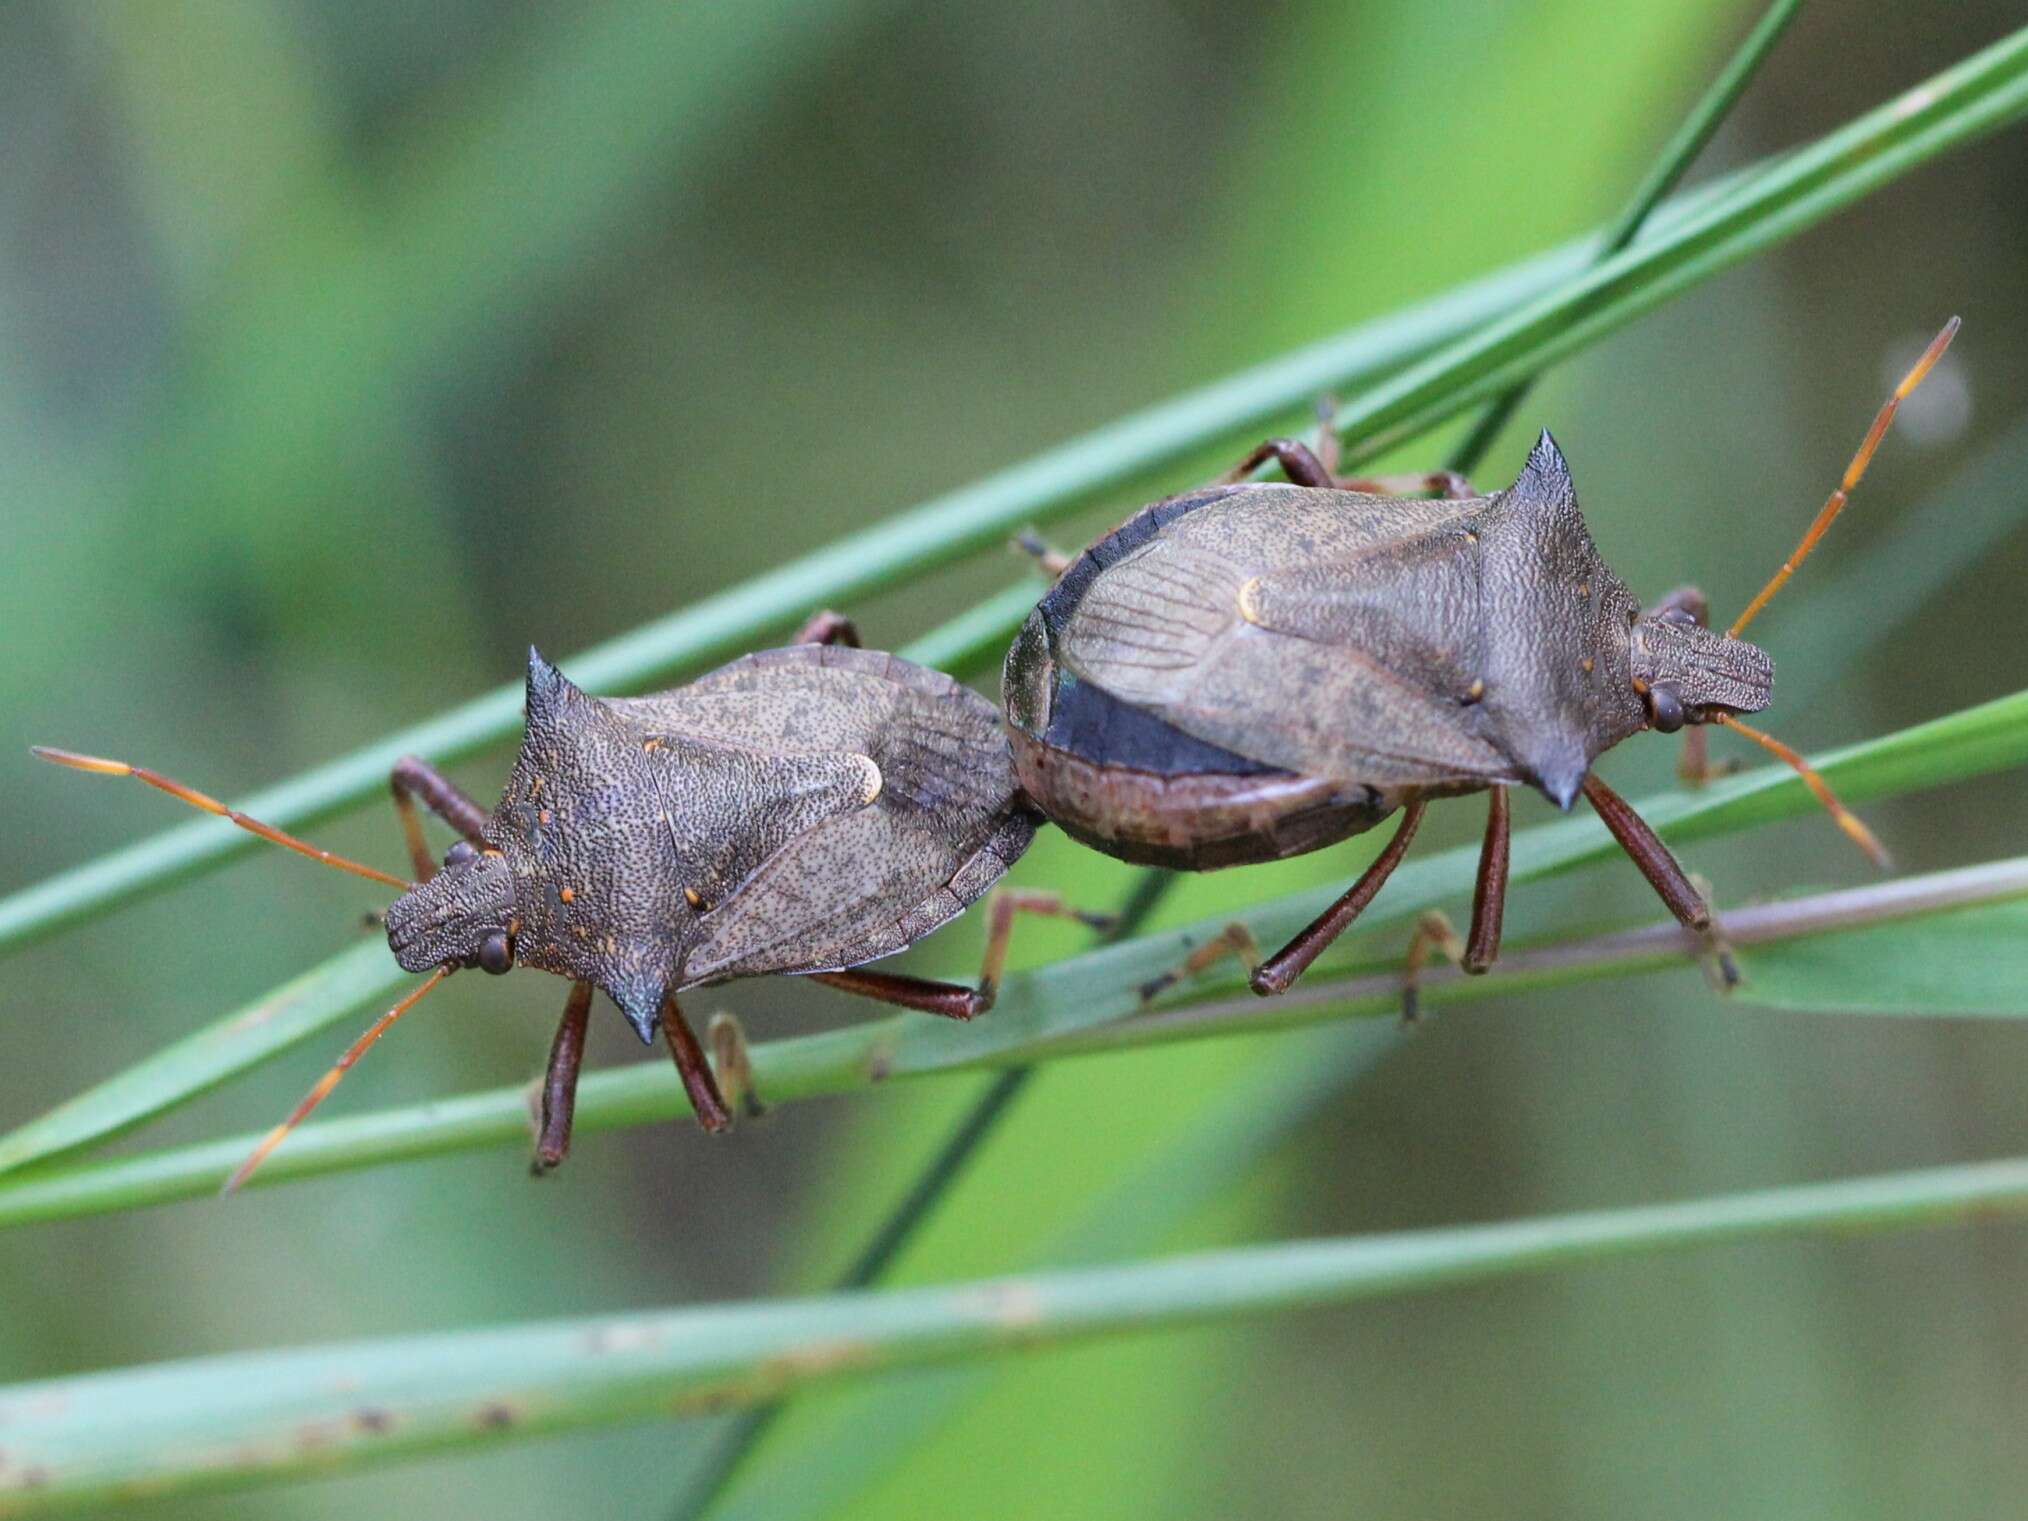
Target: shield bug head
point(463, 916)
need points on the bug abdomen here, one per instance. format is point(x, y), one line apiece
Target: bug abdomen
point(1123, 781)
point(1191, 820)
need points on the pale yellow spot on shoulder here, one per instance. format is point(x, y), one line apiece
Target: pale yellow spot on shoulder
point(1588, 662)
point(870, 780)
point(1249, 600)
point(1476, 690)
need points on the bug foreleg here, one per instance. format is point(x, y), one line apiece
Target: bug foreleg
point(559, 1083)
point(695, 1071)
point(414, 780)
point(1663, 873)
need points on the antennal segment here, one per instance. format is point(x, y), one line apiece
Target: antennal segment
point(328, 1081)
point(1853, 474)
point(198, 799)
point(1844, 817)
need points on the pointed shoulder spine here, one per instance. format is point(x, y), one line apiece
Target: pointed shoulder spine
point(549, 690)
point(1544, 484)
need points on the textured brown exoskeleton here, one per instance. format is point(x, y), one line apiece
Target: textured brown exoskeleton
point(799, 811)
point(1254, 670)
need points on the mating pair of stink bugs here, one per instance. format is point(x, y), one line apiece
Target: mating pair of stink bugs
point(1242, 673)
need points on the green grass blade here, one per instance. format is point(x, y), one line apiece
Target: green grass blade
point(365, 974)
point(1670, 165)
point(1974, 962)
point(1950, 110)
point(1084, 1002)
point(273, 1415)
point(933, 534)
point(262, 1030)
point(1266, 1105)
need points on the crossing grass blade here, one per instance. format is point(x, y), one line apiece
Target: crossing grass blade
point(1549, 313)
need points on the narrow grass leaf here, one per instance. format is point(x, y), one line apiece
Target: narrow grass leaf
point(319, 1410)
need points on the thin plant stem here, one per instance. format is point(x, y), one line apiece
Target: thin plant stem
point(1662, 177)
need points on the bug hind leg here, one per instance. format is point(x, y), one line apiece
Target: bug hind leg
point(951, 999)
point(1279, 972)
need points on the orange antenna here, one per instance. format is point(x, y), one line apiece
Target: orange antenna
point(197, 799)
point(1853, 473)
point(328, 1081)
point(1845, 818)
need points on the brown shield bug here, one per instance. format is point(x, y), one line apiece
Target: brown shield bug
point(1254, 670)
point(796, 812)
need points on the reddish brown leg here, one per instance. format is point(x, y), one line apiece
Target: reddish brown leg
point(954, 1000)
point(1302, 465)
point(828, 627)
point(559, 1084)
point(694, 1069)
point(1287, 964)
point(1489, 893)
point(1662, 871)
point(415, 780)
point(1298, 461)
point(1444, 483)
point(949, 999)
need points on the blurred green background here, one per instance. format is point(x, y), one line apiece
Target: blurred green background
point(350, 349)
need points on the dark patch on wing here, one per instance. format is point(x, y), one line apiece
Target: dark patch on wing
point(1090, 722)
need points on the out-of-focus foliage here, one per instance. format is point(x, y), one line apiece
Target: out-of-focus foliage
point(354, 348)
